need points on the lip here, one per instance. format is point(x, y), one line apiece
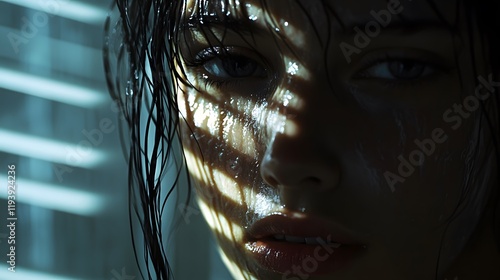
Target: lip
point(301, 259)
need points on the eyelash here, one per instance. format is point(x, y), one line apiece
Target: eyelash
point(394, 83)
point(204, 57)
point(222, 84)
point(209, 54)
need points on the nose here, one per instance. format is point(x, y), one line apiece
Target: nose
point(291, 164)
point(301, 155)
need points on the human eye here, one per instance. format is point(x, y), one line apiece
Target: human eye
point(399, 70)
point(228, 66)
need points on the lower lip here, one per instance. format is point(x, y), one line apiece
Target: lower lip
point(303, 259)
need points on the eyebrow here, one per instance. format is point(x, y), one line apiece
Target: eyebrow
point(247, 26)
point(395, 26)
point(239, 25)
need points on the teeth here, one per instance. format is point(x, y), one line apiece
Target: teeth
point(306, 240)
point(294, 239)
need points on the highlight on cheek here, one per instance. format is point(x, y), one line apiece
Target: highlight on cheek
point(207, 116)
point(226, 186)
point(295, 68)
point(239, 136)
point(286, 97)
point(221, 226)
point(280, 119)
point(213, 179)
point(230, 188)
point(197, 169)
point(234, 268)
point(278, 123)
point(297, 37)
point(219, 223)
point(234, 131)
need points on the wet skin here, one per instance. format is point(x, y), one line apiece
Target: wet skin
point(285, 122)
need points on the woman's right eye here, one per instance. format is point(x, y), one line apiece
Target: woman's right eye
point(234, 67)
point(224, 66)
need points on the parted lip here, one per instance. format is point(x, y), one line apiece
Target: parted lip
point(301, 225)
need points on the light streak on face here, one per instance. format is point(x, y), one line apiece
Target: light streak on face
point(268, 96)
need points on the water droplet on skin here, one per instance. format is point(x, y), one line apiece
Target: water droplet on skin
point(232, 167)
point(293, 68)
point(221, 155)
point(286, 98)
point(284, 23)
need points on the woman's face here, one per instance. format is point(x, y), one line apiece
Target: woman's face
point(333, 139)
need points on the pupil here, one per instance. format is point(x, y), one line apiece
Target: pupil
point(239, 67)
point(406, 70)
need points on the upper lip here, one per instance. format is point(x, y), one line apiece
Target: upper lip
point(301, 226)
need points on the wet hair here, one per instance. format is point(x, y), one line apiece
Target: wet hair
point(140, 53)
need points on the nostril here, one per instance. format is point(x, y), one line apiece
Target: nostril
point(271, 181)
point(314, 181)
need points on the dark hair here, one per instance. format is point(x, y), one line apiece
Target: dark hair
point(141, 49)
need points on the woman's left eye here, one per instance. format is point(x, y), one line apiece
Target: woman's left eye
point(232, 66)
point(398, 70)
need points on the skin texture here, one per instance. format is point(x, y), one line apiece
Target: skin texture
point(308, 132)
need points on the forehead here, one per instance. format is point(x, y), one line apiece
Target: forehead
point(306, 28)
point(317, 14)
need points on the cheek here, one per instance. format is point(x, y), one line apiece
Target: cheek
point(222, 153)
point(222, 158)
point(421, 162)
point(406, 169)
